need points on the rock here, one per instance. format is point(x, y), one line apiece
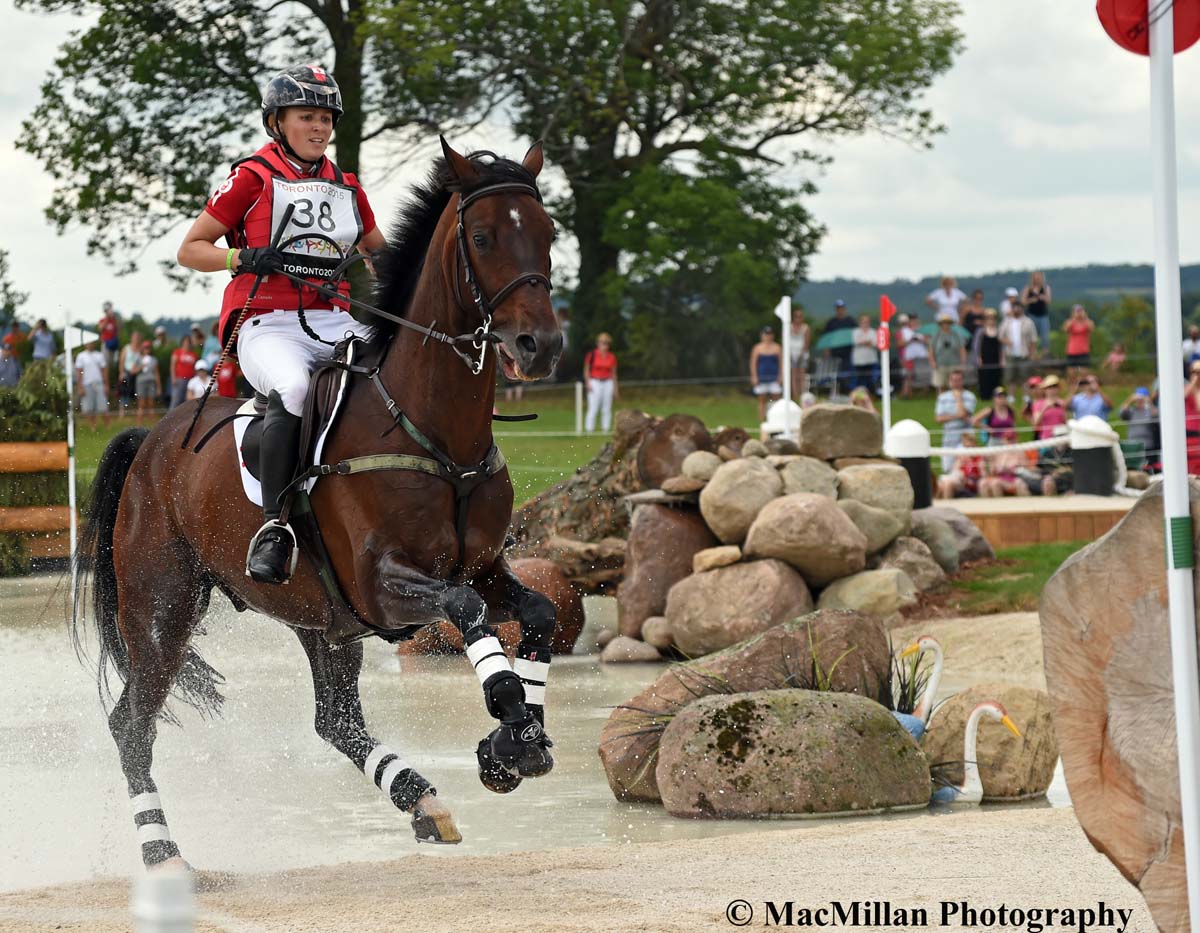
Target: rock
point(782, 445)
point(840, 463)
point(804, 474)
point(1108, 668)
point(606, 635)
point(940, 539)
point(780, 460)
point(1010, 768)
point(536, 573)
point(682, 485)
point(783, 752)
point(812, 534)
point(712, 610)
point(830, 431)
point(658, 555)
point(1136, 479)
point(735, 494)
point(754, 448)
point(656, 631)
point(882, 593)
point(882, 485)
point(701, 464)
point(880, 526)
point(972, 545)
point(727, 453)
point(913, 557)
point(624, 650)
point(850, 649)
point(592, 566)
point(732, 438)
point(665, 446)
point(714, 557)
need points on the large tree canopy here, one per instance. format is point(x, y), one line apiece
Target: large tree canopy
point(654, 110)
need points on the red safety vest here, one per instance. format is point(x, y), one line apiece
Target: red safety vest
point(276, 291)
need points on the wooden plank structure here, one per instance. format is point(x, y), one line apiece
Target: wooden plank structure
point(45, 528)
point(1013, 522)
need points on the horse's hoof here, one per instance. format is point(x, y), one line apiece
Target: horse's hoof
point(536, 762)
point(432, 822)
point(493, 773)
point(171, 865)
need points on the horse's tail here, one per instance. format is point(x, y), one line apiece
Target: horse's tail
point(95, 571)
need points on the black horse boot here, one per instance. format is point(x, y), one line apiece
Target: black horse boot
point(272, 555)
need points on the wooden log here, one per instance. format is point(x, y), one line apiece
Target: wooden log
point(1106, 642)
point(33, 457)
point(35, 518)
point(51, 544)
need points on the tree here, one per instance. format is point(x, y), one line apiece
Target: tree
point(10, 299)
point(146, 107)
point(617, 89)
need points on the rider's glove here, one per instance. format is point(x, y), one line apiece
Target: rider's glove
point(260, 260)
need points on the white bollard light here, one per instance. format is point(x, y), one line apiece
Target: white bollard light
point(908, 442)
point(1092, 440)
point(783, 420)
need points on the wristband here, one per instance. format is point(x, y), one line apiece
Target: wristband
point(229, 261)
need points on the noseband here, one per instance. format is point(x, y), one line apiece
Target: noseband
point(464, 270)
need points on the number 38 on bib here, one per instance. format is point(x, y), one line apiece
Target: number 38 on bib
point(325, 225)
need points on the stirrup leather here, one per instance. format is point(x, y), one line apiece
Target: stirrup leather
point(275, 524)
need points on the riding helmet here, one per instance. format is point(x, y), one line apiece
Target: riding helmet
point(302, 86)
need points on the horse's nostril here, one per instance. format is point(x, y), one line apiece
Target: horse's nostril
point(527, 343)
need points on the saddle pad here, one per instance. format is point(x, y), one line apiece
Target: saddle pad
point(250, 483)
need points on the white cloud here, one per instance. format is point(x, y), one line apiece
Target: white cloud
point(1045, 162)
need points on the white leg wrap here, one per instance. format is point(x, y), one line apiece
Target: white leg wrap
point(143, 802)
point(533, 675)
point(390, 773)
point(153, 832)
point(487, 657)
point(371, 765)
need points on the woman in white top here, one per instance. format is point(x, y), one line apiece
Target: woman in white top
point(800, 336)
point(945, 300)
point(864, 356)
point(914, 353)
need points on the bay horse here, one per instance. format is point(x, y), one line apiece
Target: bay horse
point(168, 524)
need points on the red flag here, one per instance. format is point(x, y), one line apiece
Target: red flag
point(886, 309)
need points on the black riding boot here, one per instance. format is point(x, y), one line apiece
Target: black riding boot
point(270, 558)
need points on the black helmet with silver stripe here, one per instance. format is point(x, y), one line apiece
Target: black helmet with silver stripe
point(303, 86)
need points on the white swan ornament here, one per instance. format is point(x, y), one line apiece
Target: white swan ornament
point(971, 788)
point(916, 722)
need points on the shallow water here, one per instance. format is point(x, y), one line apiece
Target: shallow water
point(256, 790)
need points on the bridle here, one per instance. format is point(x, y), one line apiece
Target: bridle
point(464, 270)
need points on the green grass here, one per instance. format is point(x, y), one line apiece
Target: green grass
point(1013, 583)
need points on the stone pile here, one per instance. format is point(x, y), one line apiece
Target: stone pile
point(743, 538)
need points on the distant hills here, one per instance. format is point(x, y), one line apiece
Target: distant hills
point(1094, 284)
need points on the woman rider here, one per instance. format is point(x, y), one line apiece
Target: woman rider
point(300, 109)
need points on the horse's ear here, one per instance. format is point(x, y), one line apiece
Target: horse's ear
point(534, 159)
point(460, 166)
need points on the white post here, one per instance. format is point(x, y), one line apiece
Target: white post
point(74, 533)
point(579, 408)
point(1176, 507)
point(885, 386)
point(783, 311)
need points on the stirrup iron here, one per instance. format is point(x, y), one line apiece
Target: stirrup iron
point(275, 524)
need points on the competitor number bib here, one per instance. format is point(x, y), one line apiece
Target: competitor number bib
point(325, 211)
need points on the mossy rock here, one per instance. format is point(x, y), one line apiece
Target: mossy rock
point(776, 753)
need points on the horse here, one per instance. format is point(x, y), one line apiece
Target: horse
point(168, 523)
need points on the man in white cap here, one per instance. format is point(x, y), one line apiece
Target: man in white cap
point(198, 382)
point(1011, 297)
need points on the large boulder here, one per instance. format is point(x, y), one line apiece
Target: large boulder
point(880, 526)
point(1010, 768)
point(712, 610)
point(849, 651)
point(735, 494)
point(882, 593)
point(1107, 648)
point(806, 474)
point(913, 556)
point(972, 545)
point(829, 431)
point(666, 445)
point(662, 541)
point(882, 485)
point(939, 537)
point(787, 752)
point(701, 464)
point(810, 532)
point(541, 575)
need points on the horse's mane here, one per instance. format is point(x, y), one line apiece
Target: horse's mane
point(398, 267)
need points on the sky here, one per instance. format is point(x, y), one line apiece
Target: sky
point(1045, 162)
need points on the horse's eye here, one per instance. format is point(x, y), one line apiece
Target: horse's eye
point(479, 240)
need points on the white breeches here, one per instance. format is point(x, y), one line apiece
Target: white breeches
point(277, 356)
point(600, 399)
